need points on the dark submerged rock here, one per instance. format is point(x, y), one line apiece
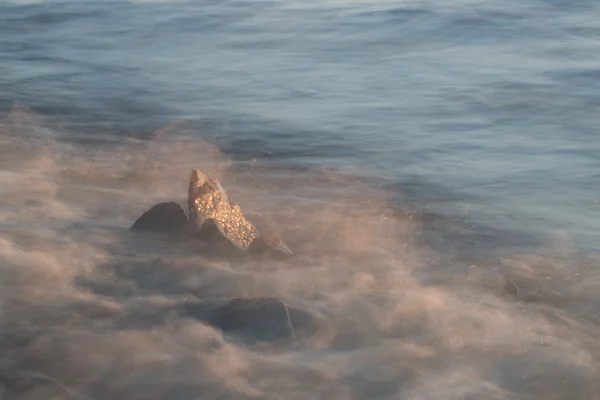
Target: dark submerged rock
point(166, 217)
point(262, 319)
point(257, 320)
point(510, 289)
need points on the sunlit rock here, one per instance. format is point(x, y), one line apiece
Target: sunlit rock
point(208, 201)
point(213, 217)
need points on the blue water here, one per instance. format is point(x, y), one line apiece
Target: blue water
point(480, 116)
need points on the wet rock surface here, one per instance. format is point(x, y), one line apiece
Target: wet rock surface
point(167, 217)
point(270, 245)
point(511, 289)
point(257, 320)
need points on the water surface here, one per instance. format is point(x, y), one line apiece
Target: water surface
point(416, 155)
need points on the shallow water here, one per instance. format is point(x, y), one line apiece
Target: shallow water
point(434, 165)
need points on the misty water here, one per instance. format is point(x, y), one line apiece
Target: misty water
point(434, 166)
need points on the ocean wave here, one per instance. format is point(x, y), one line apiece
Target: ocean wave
point(91, 311)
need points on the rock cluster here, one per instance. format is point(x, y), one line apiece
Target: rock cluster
point(212, 214)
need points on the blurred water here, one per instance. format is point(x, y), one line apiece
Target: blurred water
point(417, 155)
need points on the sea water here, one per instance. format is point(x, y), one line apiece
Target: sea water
point(433, 165)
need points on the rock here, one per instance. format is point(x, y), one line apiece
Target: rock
point(263, 320)
point(270, 245)
point(258, 320)
point(166, 217)
point(511, 289)
point(208, 201)
point(214, 217)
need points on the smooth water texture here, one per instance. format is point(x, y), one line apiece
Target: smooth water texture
point(434, 165)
